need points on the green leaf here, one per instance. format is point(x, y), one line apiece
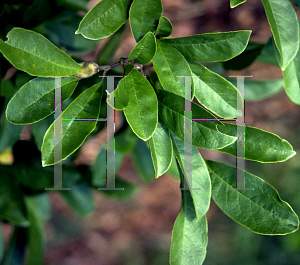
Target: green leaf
point(9, 133)
point(285, 28)
point(261, 210)
point(212, 47)
point(268, 53)
point(246, 58)
point(137, 98)
point(291, 79)
point(215, 92)
point(235, 3)
point(260, 145)
point(189, 235)
point(144, 51)
point(12, 206)
point(35, 233)
point(173, 170)
point(256, 90)
point(205, 134)
point(74, 132)
point(110, 47)
point(164, 28)
point(34, 54)
point(143, 162)
point(35, 100)
point(170, 66)
point(96, 25)
point(197, 180)
point(161, 149)
point(144, 16)
point(80, 198)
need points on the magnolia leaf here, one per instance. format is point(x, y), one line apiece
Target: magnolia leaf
point(34, 54)
point(95, 25)
point(259, 209)
point(211, 47)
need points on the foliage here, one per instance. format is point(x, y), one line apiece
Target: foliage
point(153, 103)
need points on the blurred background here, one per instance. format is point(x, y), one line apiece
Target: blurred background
point(137, 230)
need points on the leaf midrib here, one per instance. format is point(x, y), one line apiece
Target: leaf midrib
point(34, 55)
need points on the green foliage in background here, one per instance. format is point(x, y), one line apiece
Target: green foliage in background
point(152, 99)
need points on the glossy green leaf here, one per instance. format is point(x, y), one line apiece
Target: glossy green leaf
point(12, 206)
point(235, 3)
point(285, 28)
point(74, 132)
point(127, 69)
point(36, 237)
point(204, 135)
point(261, 210)
point(189, 236)
point(197, 180)
point(164, 28)
point(261, 89)
point(215, 92)
point(111, 46)
point(34, 54)
point(170, 66)
point(137, 98)
point(260, 145)
point(246, 58)
point(211, 47)
point(80, 198)
point(268, 53)
point(9, 133)
point(35, 100)
point(161, 149)
point(96, 25)
point(291, 79)
point(143, 162)
point(144, 51)
point(144, 16)
point(173, 170)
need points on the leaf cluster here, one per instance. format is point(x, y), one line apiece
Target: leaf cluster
point(153, 101)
